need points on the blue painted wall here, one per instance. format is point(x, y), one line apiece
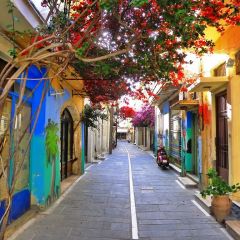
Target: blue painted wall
point(40, 171)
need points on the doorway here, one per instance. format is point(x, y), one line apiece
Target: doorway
point(222, 164)
point(66, 144)
point(195, 143)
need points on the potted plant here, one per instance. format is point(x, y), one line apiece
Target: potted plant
point(220, 191)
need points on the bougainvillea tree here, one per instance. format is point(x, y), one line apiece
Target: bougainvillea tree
point(145, 117)
point(111, 44)
point(118, 39)
point(126, 112)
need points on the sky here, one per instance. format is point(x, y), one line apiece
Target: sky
point(43, 10)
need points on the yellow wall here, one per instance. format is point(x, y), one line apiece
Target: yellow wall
point(206, 134)
point(229, 41)
point(235, 132)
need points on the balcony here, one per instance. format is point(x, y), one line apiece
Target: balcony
point(211, 84)
point(186, 104)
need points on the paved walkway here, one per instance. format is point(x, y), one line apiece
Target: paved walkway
point(98, 207)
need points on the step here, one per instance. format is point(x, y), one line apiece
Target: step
point(16, 226)
point(233, 228)
point(193, 177)
point(101, 158)
point(190, 175)
point(204, 202)
point(95, 161)
point(187, 182)
point(175, 168)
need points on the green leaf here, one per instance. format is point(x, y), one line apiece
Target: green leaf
point(108, 4)
point(13, 52)
point(138, 3)
point(80, 51)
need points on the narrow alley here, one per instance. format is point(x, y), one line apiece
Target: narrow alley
point(99, 205)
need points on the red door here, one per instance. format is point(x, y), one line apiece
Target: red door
point(222, 135)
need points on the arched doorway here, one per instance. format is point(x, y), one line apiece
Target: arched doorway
point(66, 144)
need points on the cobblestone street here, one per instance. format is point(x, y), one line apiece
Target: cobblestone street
point(99, 207)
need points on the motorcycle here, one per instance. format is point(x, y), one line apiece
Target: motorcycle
point(162, 159)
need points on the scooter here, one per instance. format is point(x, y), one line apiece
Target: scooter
point(162, 159)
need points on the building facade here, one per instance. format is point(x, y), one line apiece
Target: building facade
point(200, 128)
point(38, 179)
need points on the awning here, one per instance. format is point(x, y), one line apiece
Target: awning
point(166, 93)
point(208, 84)
point(185, 105)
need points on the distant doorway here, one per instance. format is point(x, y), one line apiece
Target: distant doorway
point(222, 164)
point(66, 144)
point(121, 135)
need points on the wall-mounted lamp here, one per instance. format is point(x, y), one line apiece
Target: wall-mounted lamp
point(230, 63)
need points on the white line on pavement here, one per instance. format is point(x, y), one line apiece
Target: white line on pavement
point(132, 200)
point(201, 209)
point(182, 186)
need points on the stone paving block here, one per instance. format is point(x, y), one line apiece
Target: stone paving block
point(120, 227)
point(98, 207)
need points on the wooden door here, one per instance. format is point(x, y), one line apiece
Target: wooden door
point(66, 144)
point(222, 164)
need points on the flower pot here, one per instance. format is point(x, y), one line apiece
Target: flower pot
point(221, 207)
